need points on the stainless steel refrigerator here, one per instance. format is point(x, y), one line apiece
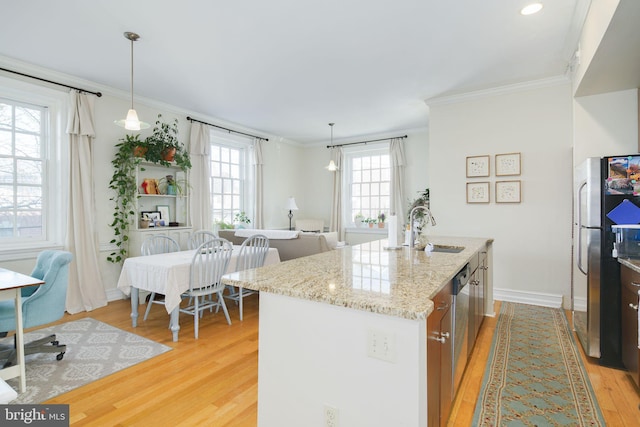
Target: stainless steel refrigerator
point(601, 186)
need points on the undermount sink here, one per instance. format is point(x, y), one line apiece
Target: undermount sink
point(448, 249)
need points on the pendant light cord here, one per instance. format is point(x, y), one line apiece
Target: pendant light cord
point(131, 73)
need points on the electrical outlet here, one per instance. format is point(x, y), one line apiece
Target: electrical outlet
point(330, 416)
point(381, 345)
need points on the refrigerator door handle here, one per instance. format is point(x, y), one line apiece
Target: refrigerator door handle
point(579, 228)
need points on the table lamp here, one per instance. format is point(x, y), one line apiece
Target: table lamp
point(291, 206)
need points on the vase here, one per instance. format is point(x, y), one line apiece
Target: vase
point(139, 151)
point(381, 225)
point(169, 154)
point(370, 225)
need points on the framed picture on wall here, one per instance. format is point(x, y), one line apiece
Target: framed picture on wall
point(507, 164)
point(477, 166)
point(477, 192)
point(508, 192)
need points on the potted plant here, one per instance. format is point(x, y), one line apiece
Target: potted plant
point(370, 221)
point(241, 218)
point(358, 219)
point(381, 218)
point(221, 225)
point(171, 186)
point(163, 146)
point(123, 183)
point(419, 217)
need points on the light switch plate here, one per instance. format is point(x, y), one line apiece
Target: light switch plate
point(381, 345)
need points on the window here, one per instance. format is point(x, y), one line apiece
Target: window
point(231, 178)
point(31, 164)
point(367, 183)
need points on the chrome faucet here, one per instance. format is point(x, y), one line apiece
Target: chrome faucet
point(412, 239)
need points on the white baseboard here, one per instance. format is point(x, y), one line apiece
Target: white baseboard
point(527, 297)
point(114, 295)
point(117, 295)
point(580, 304)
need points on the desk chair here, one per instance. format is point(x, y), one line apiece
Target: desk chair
point(252, 254)
point(153, 245)
point(209, 263)
point(40, 304)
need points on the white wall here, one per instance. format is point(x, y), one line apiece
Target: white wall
point(316, 201)
point(532, 248)
point(595, 26)
point(605, 124)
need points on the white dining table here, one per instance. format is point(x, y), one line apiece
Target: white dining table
point(167, 274)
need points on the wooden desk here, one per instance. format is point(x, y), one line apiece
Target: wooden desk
point(10, 285)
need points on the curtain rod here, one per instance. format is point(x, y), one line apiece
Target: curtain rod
point(191, 119)
point(98, 94)
point(365, 142)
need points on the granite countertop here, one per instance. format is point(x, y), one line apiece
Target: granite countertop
point(366, 277)
point(633, 264)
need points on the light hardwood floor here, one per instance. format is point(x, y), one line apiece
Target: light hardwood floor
point(213, 380)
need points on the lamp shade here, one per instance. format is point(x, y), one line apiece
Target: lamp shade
point(331, 167)
point(291, 204)
point(132, 122)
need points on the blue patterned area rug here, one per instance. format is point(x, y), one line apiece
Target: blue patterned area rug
point(534, 375)
point(94, 350)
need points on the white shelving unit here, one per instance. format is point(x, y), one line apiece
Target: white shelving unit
point(178, 206)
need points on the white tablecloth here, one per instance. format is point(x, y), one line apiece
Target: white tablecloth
point(168, 274)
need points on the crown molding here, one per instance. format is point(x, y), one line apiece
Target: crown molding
point(27, 68)
point(500, 90)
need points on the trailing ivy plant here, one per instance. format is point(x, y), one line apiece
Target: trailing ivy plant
point(123, 182)
point(131, 151)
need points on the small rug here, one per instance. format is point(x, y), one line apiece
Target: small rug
point(94, 350)
point(534, 375)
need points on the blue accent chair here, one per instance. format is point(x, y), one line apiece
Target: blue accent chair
point(40, 304)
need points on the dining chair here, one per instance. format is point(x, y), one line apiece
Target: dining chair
point(199, 237)
point(253, 252)
point(209, 263)
point(152, 245)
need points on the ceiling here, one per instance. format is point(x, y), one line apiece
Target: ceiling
point(287, 68)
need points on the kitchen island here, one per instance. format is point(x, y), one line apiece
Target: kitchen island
point(344, 333)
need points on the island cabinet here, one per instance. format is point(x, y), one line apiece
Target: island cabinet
point(439, 358)
point(630, 338)
point(361, 335)
point(477, 283)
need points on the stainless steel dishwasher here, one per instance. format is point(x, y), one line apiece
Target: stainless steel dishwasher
point(460, 325)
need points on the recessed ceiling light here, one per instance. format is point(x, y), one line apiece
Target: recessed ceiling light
point(531, 9)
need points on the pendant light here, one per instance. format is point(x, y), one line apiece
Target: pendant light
point(132, 122)
point(331, 167)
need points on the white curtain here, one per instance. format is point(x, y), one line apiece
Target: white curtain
point(398, 161)
point(258, 221)
point(336, 204)
point(200, 177)
point(85, 291)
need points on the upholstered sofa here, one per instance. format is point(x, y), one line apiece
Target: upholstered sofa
point(303, 245)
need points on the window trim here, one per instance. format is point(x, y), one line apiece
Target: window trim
point(248, 179)
point(348, 154)
point(56, 166)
